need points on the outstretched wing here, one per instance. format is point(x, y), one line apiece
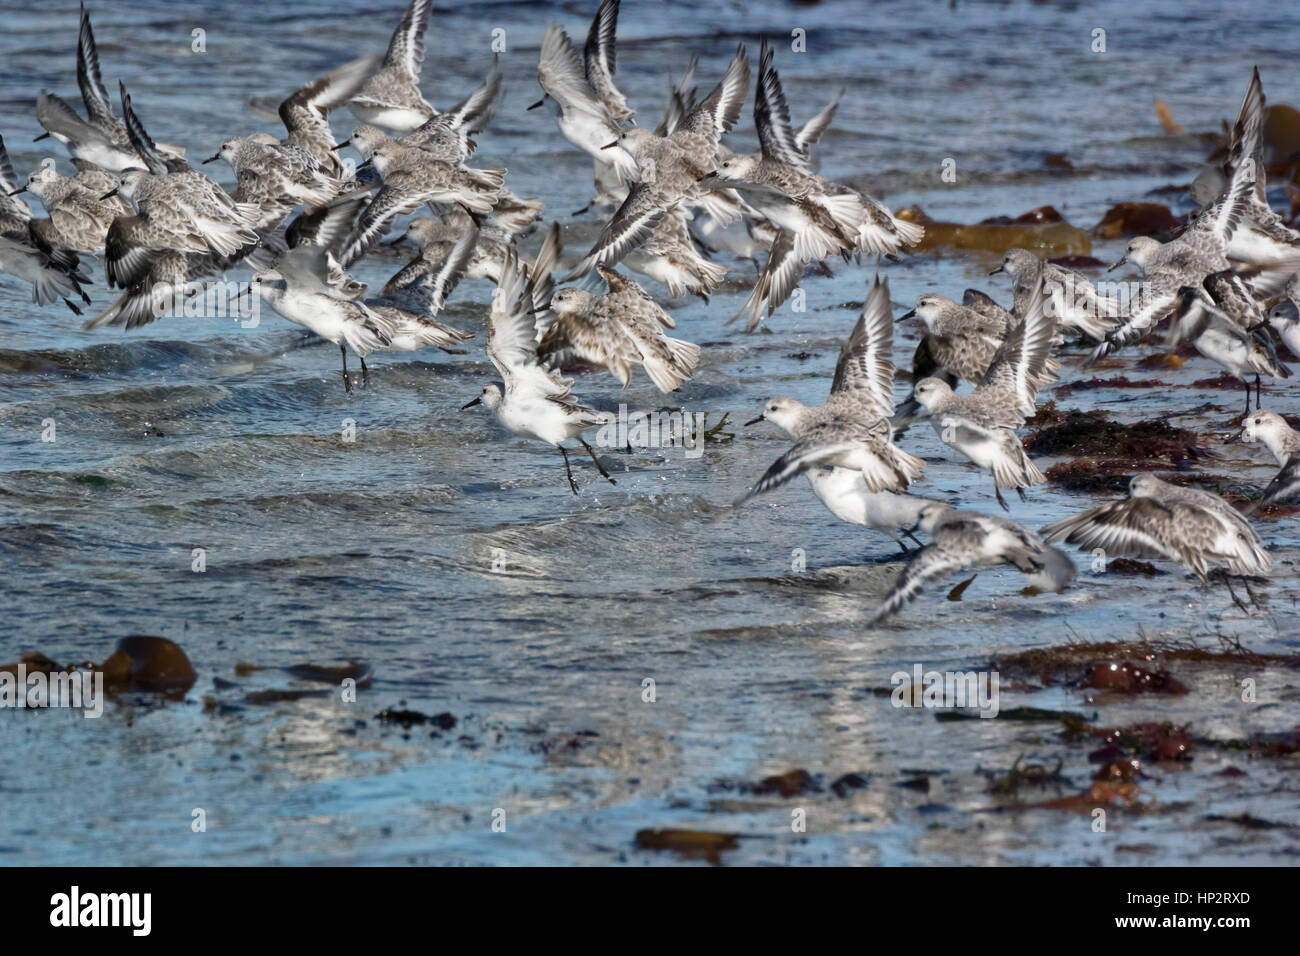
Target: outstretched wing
point(865, 369)
point(721, 108)
point(406, 49)
point(772, 116)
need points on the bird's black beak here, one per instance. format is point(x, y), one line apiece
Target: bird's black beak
point(707, 176)
point(538, 103)
point(906, 315)
point(1116, 265)
point(365, 164)
point(210, 159)
point(997, 270)
point(610, 145)
point(471, 404)
point(20, 189)
point(108, 195)
point(398, 241)
point(754, 421)
point(338, 146)
point(41, 137)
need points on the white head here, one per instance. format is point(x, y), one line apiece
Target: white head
point(932, 393)
point(931, 513)
point(490, 397)
point(929, 306)
point(784, 413)
point(43, 181)
point(367, 139)
point(1284, 314)
point(738, 167)
point(1139, 251)
point(570, 300)
point(135, 182)
point(634, 137)
point(1144, 486)
point(1020, 264)
point(1267, 427)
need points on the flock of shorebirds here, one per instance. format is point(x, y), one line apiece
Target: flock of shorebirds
point(1230, 281)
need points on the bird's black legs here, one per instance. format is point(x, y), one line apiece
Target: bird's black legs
point(1258, 388)
point(347, 383)
point(567, 470)
point(1247, 411)
point(365, 373)
point(998, 492)
point(599, 467)
point(915, 539)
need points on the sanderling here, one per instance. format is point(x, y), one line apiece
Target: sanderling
point(982, 425)
point(1263, 234)
point(671, 257)
point(862, 390)
point(411, 178)
point(616, 331)
point(276, 177)
point(964, 539)
point(533, 401)
point(981, 433)
point(1284, 318)
point(103, 140)
point(53, 273)
point(850, 432)
point(964, 341)
point(1202, 247)
point(429, 284)
point(299, 288)
point(1227, 330)
point(588, 117)
point(78, 219)
point(1196, 528)
point(510, 214)
point(824, 218)
point(180, 210)
point(391, 97)
point(1075, 303)
point(669, 171)
point(1284, 442)
point(845, 443)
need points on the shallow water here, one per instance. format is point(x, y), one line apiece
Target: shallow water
point(202, 434)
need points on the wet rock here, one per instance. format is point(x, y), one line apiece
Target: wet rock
point(276, 695)
point(791, 784)
point(1058, 162)
point(1250, 822)
point(846, 784)
point(1127, 219)
point(333, 674)
point(153, 664)
point(1150, 740)
point(1131, 566)
point(689, 844)
point(404, 718)
point(1046, 238)
point(1128, 678)
point(919, 784)
point(1043, 214)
